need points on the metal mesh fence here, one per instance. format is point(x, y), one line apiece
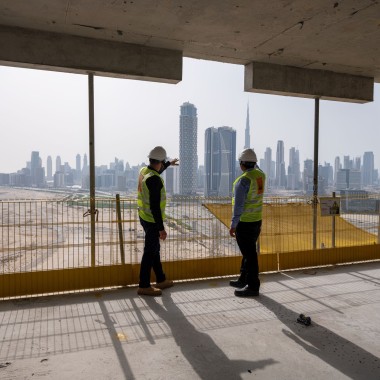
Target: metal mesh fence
point(288, 225)
point(43, 235)
point(49, 234)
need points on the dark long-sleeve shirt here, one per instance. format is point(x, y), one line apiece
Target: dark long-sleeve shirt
point(155, 185)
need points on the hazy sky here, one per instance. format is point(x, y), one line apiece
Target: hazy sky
point(48, 112)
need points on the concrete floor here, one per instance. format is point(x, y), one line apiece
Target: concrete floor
point(200, 330)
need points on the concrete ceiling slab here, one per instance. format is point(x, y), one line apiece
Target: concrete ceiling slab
point(339, 36)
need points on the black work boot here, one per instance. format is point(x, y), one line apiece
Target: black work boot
point(238, 283)
point(246, 292)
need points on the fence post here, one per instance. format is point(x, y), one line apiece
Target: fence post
point(120, 226)
point(333, 227)
point(92, 164)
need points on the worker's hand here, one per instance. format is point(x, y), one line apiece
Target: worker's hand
point(174, 162)
point(232, 232)
point(163, 235)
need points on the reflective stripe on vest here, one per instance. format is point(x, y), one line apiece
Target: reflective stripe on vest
point(253, 205)
point(143, 201)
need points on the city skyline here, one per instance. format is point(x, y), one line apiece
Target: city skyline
point(286, 150)
point(48, 111)
point(214, 178)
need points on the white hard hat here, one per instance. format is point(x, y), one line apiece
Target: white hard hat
point(247, 155)
point(158, 153)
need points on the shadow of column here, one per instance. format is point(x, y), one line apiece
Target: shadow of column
point(338, 352)
point(110, 323)
point(201, 352)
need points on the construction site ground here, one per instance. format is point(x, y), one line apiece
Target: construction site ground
point(200, 330)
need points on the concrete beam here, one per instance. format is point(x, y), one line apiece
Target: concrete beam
point(294, 81)
point(66, 53)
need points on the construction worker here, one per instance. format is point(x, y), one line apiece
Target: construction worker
point(247, 203)
point(151, 203)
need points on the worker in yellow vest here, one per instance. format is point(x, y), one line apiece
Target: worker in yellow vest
point(247, 203)
point(151, 202)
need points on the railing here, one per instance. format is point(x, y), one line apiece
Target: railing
point(40, 236)
point(288, 224)
point(55, 234)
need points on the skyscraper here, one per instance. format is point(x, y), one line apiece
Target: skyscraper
point(34, 164)
point(170, 176)
point(308, 176)
point(294, 172)
point(268, 166)
point(325, 177)
point(347, 163)
point(78, 163)
point(58, 164)
point(348, 179)
point(188, 133)
point(49, 168)
point(220, 161)
point(337, 167)
point(84, 161)
point(78, 169)
point(280, 165)
point(211, 158)
point(37, 172)
point(247, 140)
point(357, 164)
point(368, 168)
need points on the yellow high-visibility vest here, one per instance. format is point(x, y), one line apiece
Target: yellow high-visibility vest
point(143, 202)
point(253, 205)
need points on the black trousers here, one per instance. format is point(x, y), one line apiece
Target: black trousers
point(151, 256)
point(247, 234)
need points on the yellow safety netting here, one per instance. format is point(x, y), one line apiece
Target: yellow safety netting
point(289, 227)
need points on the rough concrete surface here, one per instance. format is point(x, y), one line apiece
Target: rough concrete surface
point(337, 36)
point(200, 330)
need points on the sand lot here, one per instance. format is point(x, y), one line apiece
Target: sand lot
point(43, 230)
